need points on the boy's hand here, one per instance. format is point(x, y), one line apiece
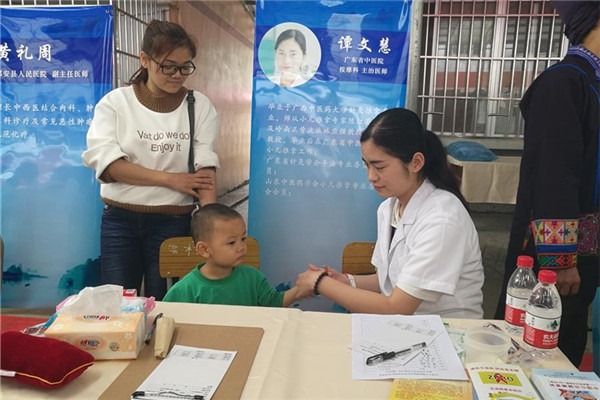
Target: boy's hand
point(306, 281)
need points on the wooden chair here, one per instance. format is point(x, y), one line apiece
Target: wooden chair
point(356, 258)
point(178, 256)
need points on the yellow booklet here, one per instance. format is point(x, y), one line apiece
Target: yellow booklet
point(427, 389)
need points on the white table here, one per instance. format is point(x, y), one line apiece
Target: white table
point(302, 355)
point(488, 182)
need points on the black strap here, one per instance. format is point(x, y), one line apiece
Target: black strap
point(191, 100)
point(191, 167)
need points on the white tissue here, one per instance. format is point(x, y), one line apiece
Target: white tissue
point(95, 302)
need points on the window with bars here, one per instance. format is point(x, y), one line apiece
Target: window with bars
point(478, 58)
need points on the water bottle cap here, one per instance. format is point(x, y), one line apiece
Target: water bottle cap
point(547, 276)
point(525, 261)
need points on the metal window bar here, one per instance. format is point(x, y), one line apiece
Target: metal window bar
point(477, 60)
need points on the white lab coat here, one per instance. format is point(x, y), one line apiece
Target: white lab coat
point(435, 248)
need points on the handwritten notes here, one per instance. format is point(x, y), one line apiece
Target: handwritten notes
point(372, 334)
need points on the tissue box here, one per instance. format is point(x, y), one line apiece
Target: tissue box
point(104, 337)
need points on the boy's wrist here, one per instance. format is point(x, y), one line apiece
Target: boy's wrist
point(296, 293)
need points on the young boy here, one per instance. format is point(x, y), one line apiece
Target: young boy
point(219, 233)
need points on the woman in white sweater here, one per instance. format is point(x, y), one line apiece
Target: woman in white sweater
point(139, 145)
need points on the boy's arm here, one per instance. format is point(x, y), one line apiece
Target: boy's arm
point(290, 296)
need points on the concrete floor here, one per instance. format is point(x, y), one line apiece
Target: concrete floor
point(494, 230)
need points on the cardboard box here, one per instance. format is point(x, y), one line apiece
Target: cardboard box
point(104, 337)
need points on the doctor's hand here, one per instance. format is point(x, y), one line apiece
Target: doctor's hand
point(306, 281)
point(337, 275)
point(567, 281)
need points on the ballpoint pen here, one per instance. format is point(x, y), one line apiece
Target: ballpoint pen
point(391, 354)
point(140, 394)
point(152, 328)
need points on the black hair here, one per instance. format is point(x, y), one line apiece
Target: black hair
point(203, 219)
point(292, 34)
point(162, 37)
point(400, 133)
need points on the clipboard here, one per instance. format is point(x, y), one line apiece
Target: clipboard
point(244, 340)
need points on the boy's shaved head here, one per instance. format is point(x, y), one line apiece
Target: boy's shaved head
point(204, 218)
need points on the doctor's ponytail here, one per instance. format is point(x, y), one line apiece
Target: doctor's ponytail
point(400, 133)
point(436, 167)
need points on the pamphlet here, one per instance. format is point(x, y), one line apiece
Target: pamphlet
point(554, 384)
point(500, 381)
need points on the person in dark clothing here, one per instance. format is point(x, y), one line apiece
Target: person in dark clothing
point(556, 215)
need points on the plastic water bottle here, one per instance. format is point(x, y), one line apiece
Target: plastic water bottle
point(542, 319)
point(520, 285)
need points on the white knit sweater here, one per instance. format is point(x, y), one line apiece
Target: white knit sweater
point(123, 127)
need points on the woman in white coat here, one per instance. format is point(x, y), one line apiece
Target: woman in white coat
point(427, 252)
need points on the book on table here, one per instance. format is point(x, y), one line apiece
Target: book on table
point(555, 384)
point(500, 381)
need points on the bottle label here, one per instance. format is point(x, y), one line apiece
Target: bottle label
point(514, 312)
point(541, 332)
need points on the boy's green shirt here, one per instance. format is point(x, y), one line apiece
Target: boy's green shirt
point(246, 286)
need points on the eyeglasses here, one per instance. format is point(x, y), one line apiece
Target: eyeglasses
point(184, 70)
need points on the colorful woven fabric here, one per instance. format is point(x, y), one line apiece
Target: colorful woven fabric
point(555, 242)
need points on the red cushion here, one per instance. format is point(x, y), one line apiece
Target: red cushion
point(39, 361)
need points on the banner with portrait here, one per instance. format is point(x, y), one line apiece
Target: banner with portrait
point(322, 72)
point(55, 64)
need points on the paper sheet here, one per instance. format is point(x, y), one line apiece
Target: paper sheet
point(187, 371)
point(384, 337)
point(438, 360)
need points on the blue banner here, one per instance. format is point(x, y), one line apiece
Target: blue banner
point(322, 72)
point(55, 65)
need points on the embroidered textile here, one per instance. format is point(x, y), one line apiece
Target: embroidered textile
point(556, 242)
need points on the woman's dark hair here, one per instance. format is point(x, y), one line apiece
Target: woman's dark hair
point(399, 133)
point(292, 34)
point(162, 37)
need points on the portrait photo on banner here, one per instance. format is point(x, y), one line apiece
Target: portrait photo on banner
point(289, 54)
